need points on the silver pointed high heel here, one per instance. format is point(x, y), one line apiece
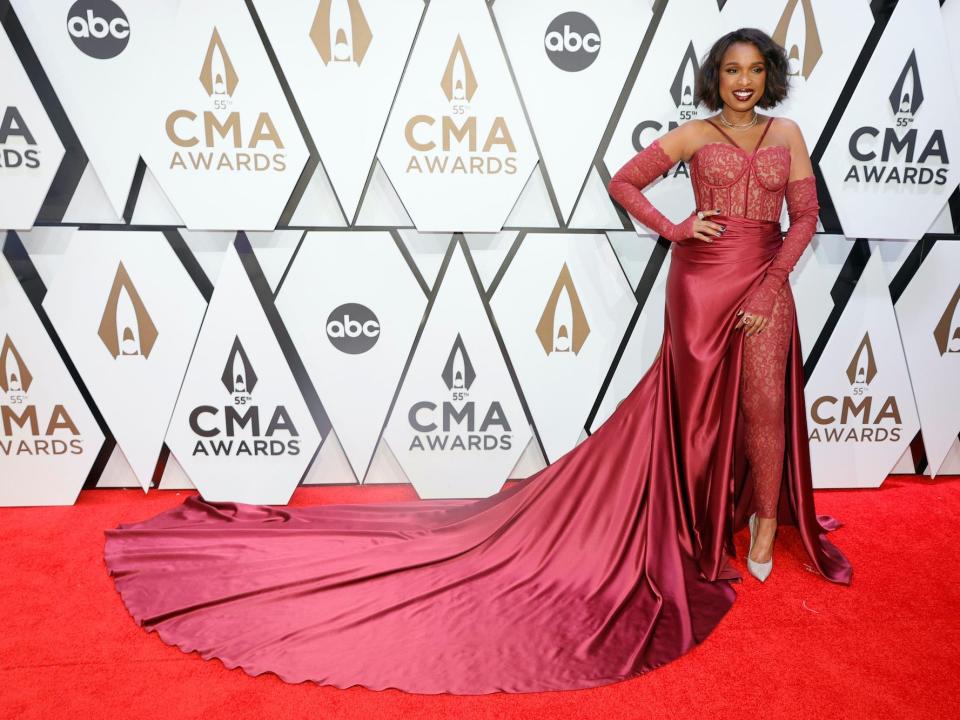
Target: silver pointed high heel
point(759, 570)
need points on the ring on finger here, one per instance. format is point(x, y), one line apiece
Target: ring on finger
point(700, 214)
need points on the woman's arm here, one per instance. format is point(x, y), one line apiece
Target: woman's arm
point(627, 185)
point(803, 209)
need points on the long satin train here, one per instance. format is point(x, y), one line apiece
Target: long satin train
point(607, 563)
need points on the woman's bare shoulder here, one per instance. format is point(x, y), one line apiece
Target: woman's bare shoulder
point(689, 136)
point(787, 125)
point(695, 127)
point(784, 122)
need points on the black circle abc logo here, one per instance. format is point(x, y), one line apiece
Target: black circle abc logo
point(98, 28)
point(353, 328)
point(572, 41)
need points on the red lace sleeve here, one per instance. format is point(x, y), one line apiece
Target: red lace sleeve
point(627, 185)
point(802, 208)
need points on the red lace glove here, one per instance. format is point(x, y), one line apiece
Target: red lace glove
point(802, 208)
point(626, 186)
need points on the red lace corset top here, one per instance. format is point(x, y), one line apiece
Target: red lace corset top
point(740, 183)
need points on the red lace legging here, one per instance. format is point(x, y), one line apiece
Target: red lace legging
point(762, 388)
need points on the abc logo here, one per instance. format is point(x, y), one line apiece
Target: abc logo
point(353, 328)
point(98, 28)
point(572, 41)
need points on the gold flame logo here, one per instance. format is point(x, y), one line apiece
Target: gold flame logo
point(126, 327)
point(217, 74)
point(563, 326)
point(458, 82)
point(340, 31)
point(863, 367)
point(947, 332)
point(797, 33)
point(14, 375)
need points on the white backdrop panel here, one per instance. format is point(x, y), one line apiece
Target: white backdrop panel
point(30, 150)
point(353, 323)
point(343, 59)
point(457, 427)
point(101, 54)
point(220, 130)
point(563, 306)
point(929, 315)
point(570, 67)
point(457, 131)
point(49, 439)
point(241, 428)
point(892, 148)
point(128, 314)
point(861, 414)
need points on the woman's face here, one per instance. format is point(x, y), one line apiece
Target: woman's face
point(742, 76)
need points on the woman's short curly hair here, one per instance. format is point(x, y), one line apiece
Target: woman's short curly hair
point(774, 57)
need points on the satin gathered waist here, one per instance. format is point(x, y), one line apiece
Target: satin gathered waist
point(745, 239)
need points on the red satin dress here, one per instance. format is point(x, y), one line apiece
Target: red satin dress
point(610, 562)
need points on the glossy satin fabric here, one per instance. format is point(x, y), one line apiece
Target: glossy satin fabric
point(706, 286)
point(603, 565)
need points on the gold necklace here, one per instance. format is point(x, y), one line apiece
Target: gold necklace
point(729, 124)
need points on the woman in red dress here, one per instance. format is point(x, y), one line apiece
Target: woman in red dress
point(741, 170)
point(611, 561)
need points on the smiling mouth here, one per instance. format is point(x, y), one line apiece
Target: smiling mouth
point(742, 94)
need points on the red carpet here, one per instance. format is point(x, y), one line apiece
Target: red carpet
point(796, 647)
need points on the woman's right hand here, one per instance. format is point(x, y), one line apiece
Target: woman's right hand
point(706, 230)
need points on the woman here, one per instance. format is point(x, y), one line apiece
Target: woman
point(611, 561)
point(741, 169)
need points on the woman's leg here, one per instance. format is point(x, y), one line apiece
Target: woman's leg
point(762, 391)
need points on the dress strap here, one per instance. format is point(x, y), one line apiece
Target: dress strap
point(765, 128)
point(731, 140)
point(720, 130)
